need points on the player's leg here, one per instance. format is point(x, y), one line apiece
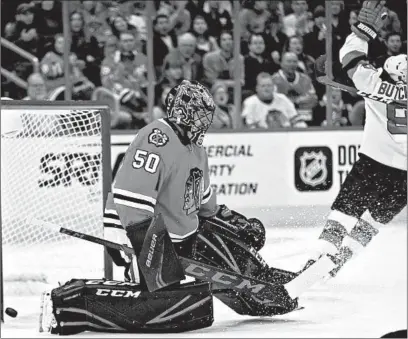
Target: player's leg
point(389, 187)
point(393, 196)
point(366, 190)
point(114, 306)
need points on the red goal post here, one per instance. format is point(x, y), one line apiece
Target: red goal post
point(55, 168)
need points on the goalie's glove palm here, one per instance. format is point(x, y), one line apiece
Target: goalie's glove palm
point(251, 230)
point(370, 20)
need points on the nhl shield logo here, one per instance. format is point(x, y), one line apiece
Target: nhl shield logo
point(313, 169)
point(313, 166)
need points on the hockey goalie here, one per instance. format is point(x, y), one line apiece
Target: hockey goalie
point(163, 206)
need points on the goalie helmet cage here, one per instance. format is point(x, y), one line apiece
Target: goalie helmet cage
point(57, 169)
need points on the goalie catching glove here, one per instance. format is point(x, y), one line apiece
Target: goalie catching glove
point(250, 231)
point(370, 20)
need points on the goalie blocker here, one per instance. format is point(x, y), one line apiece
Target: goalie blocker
point(162, 303)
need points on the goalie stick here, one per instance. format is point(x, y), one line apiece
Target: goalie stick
point(267, 293)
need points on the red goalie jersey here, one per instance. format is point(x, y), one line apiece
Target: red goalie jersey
point(161, 174)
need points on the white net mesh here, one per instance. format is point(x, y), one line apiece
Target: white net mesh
point(51, 172)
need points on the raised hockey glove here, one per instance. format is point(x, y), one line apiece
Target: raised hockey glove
point(370, 20)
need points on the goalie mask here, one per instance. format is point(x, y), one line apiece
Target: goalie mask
point(191, 106)
point(396, 67)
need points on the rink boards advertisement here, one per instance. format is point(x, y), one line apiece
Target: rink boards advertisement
point(262, 169)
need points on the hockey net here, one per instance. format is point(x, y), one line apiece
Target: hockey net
point(53, 174)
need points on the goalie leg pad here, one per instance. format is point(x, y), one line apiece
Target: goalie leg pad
point(121, 307)
point(226, 251)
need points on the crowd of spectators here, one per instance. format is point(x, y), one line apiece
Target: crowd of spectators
point(280, 41)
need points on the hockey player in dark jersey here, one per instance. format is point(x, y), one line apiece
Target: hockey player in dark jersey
point(165, 173)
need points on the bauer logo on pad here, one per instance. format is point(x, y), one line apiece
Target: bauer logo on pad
point(313, 168)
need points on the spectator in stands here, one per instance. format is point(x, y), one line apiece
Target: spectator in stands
point(219, 65)
point(86, 48)
point(255, 62)
point(126, 66)
point(218, 17)
point(119, 24)
point(185, 52)
point(172, 76)
point(297, 22)
point(340, 111)
point(138, 16)
point(172, 72)
point(96, 20)
point(254, 19)
point(159, 109)
point(112, 11)
point(195, 7)
point(36, 89)
point(269, 109)
point(394, 44)
point(179, 17)
point(391, 24)
point(275, 39)
point(305, 62)
point(340, 25)
point(163, 42)
point(110, 47)
point(315, 41)
point(224, 110)
point(296, 86)
point(93, 11)
point(125, 74)
point(48, 21)
point(276, 7)
point(52, 68)
point(23, 31)
point(353, 17)
point(357, 114)
point(205, 42)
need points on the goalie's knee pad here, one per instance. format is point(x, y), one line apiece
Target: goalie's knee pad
point(113, 306)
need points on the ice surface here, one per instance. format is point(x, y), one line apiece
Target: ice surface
point(367, 299)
